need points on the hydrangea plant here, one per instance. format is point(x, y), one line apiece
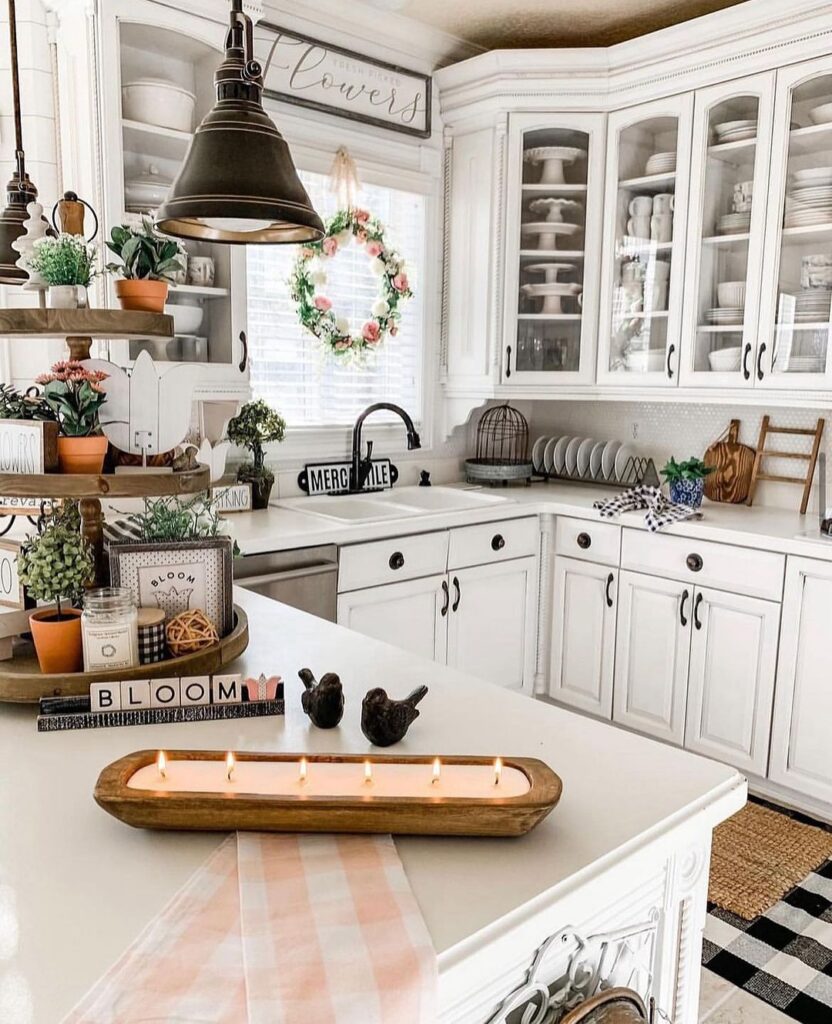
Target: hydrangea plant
point(55, 564)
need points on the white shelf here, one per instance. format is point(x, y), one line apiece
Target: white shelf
point(152, 141)
point(808, 232)
point(198, 291)
point(627, 245)
point(729, 151)
point(740, 236)
point(819, 325)
point(565, 254)
point(549, 316)
point(554, 190)
point(649, 182)
point(655, 314)
point(720, 328)
point(810, 139)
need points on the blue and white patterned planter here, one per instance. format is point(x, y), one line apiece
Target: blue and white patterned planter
point(687, 492)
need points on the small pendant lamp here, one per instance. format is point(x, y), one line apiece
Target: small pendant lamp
point(238, 183)
point(20, 191)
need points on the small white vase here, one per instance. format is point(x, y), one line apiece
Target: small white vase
point(62, 296)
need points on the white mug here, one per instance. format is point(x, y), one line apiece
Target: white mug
point(201, 271)
point(641, 206)
point(661, 227)
point(655, 296)
point(638, 227)
point(664, 202)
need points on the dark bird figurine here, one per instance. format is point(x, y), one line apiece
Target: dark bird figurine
point(385, 721)
point(323, 701)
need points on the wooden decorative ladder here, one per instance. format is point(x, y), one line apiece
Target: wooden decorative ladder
point(811, 457)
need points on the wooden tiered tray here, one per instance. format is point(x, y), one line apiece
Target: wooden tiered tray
point(104, 485)
point(94, 323)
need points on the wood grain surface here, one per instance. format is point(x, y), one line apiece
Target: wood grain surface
point(91, 323)
point(733, 464)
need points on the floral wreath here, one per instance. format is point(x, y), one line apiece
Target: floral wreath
point(315, 310)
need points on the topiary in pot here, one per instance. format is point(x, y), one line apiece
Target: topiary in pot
point(149, 262)
point(256, 425)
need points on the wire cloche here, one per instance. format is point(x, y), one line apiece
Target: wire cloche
point(502, 455)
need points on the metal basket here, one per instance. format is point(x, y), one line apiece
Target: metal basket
point(502, 454)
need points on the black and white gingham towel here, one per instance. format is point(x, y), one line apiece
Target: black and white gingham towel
point(660, 511)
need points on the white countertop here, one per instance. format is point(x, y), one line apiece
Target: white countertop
point(77, 886)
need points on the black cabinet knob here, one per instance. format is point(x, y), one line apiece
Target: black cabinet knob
point(584, 540)
point(694, 562)
point(498, 542)
point(396, 560)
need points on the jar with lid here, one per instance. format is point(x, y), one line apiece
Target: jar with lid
point(109, 629)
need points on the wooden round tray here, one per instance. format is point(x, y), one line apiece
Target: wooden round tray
point(103, 485)
point(90, 323)
point(22, 682)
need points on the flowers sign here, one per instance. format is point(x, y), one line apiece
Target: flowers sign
point(315, 309)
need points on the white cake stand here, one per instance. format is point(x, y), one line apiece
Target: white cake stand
point(549, 270)
point(547, 232)
point(552, 292)
point(552, 207)
point(552, 160)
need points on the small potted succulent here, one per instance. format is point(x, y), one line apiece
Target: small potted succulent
point(686, 481)
point(66, 263)
point(255, 426)
point(149, 263)
point(54, 565)
point(75, 396)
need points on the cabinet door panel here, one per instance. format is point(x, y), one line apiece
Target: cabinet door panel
point(801, 752)
point(407, 615)
point(733, 657)
point(492, 622)
point(651, 655)
point(583, 635)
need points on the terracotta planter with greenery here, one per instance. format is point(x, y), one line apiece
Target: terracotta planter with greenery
point(81, 454)
point(57, 640)
point(74, 395)
point(148, 262)
point(147, 296)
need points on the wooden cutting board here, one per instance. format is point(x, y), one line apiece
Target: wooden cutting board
point(733, 464)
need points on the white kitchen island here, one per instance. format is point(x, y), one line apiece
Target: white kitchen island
point(617, 872)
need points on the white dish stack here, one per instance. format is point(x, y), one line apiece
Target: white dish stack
point(589, 460)
point(809, 198)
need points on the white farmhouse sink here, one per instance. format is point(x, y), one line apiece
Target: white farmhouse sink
point(441, 499)
point(395, 504)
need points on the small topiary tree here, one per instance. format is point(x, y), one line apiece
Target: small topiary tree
point(257, 425)
point(55, 564)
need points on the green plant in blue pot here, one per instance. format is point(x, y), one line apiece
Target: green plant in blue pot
point(686, 481)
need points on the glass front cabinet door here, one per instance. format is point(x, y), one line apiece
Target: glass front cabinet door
point(553, 227)
point(728, 186)
point(794, 349)
point(648, 163)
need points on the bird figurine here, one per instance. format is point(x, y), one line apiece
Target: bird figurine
point(323, 701)
point(385, 721)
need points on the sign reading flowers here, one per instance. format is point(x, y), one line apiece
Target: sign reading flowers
point(308, 284)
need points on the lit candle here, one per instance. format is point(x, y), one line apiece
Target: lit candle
point(229, 765)
point(498, 771)
point(437, 769)
point(162, 764)
point(368, 773)
point(302, 770)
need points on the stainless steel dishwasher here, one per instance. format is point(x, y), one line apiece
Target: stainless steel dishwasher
point(305, 578)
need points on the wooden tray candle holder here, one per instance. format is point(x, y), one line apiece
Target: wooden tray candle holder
point(219, 791)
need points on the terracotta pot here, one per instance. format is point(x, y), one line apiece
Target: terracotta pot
point(57, 641)
point(81, 454)
point(148, 296)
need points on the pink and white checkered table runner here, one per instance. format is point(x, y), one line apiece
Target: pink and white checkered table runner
point(276, 929)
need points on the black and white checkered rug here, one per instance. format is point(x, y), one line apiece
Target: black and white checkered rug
point(783, 957)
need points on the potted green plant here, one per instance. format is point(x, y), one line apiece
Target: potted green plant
point(54, 566)
point(256, 425)
point(75, 396)
point(149, 262)
point(686, 481)
point(16, 405)
point(66, 263)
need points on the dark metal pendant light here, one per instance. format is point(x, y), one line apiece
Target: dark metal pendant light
point(20, 191)
point(238, 183)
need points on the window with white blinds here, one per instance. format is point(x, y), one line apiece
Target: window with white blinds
point(289, 367)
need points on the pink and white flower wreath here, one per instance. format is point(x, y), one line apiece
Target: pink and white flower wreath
point(315, 309)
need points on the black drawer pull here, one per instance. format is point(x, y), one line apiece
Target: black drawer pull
point(682, 603)
point(447, 595)
point(508, 361)
point(745, 371)
point(498, 542)
point(396, 560)
point(696, 620)
point(671, 349)
point(694, 562)
point(584, 540)
point(455, 605)
point(760, 351)
point(608, 595)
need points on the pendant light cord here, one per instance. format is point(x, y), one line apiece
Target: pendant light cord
point(18, 124)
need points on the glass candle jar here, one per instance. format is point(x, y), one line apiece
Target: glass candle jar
point(109, 629)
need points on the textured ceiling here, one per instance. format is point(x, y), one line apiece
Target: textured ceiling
point(503, 24)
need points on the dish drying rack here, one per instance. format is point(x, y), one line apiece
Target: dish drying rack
point(638, 470)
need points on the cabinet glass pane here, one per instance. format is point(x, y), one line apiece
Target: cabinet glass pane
point(804, 287)
point(728, 189)
point(552, 227)
point(643, 245)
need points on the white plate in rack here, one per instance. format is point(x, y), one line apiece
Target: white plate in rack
point(537, 454)
point(571, 459)
point(622, 457)
point(608, 459)
point(559, 455)
point(584, 454)
point(596, 461)
point(548, 454)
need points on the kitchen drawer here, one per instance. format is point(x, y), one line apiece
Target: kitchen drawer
point(493, 542)
point(724, 566)
point(586, 539)
point(388, 561)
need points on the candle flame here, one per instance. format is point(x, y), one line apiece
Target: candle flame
point(437, 771)
point(498, 771)
point(303, 769)
point(162, 764)
point(368, 772)
point(230, 765)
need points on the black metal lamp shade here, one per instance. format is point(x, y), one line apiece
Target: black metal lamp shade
point(238, 183)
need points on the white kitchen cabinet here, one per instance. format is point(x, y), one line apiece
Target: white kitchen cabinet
point(410, 615)
point(801, 752)
point(652, 652)
point(583, 635)
point(492, 622)
point(733, 657)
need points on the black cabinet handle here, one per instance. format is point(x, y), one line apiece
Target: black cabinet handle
point(760, 351)
point(455, 605)
point(694, 562)
point(696, 604)
point(745, 371)
point(608, 595)
point(244, 361)
point(396, 560)
point(498, 542)
point(508, 361)
point(583, 540)
point(682, 603)
point(447, 595)
point(670, 350)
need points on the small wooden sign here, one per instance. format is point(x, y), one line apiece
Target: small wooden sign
point(23, 506)
point(232, 498)
point(28, 446)
point(334, 477)
point(11, 589)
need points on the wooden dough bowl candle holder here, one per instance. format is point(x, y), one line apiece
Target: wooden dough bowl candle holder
point(289, 796)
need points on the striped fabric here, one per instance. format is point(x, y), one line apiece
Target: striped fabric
point(279, 930)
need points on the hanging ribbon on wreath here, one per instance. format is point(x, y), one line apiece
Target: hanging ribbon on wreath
point(350, 224)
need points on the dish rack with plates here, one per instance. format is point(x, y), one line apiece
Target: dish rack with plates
point(585, 460)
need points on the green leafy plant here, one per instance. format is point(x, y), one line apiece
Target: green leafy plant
point(15, 405)
point(144, 253)
point(75, 396)
point(55, 564)
point(691, 469)
point(174, 519)
point(63, 260)
point(256, 425)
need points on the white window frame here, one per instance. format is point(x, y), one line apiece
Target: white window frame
point(388, 161)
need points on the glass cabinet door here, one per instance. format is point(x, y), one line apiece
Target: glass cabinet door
point(554, 203)
point(794, 352)
point(644, 245)
point(729, 183)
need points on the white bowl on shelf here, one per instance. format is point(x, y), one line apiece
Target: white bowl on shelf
point(821, 114)
point(146, 192)
point(651, 361)
point(725, 360)
point(156, 102)
point(187, 317)
point(731, 294)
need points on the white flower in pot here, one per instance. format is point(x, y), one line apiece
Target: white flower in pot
point(67, 265)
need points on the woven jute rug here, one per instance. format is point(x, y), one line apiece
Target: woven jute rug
point(758, 855)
